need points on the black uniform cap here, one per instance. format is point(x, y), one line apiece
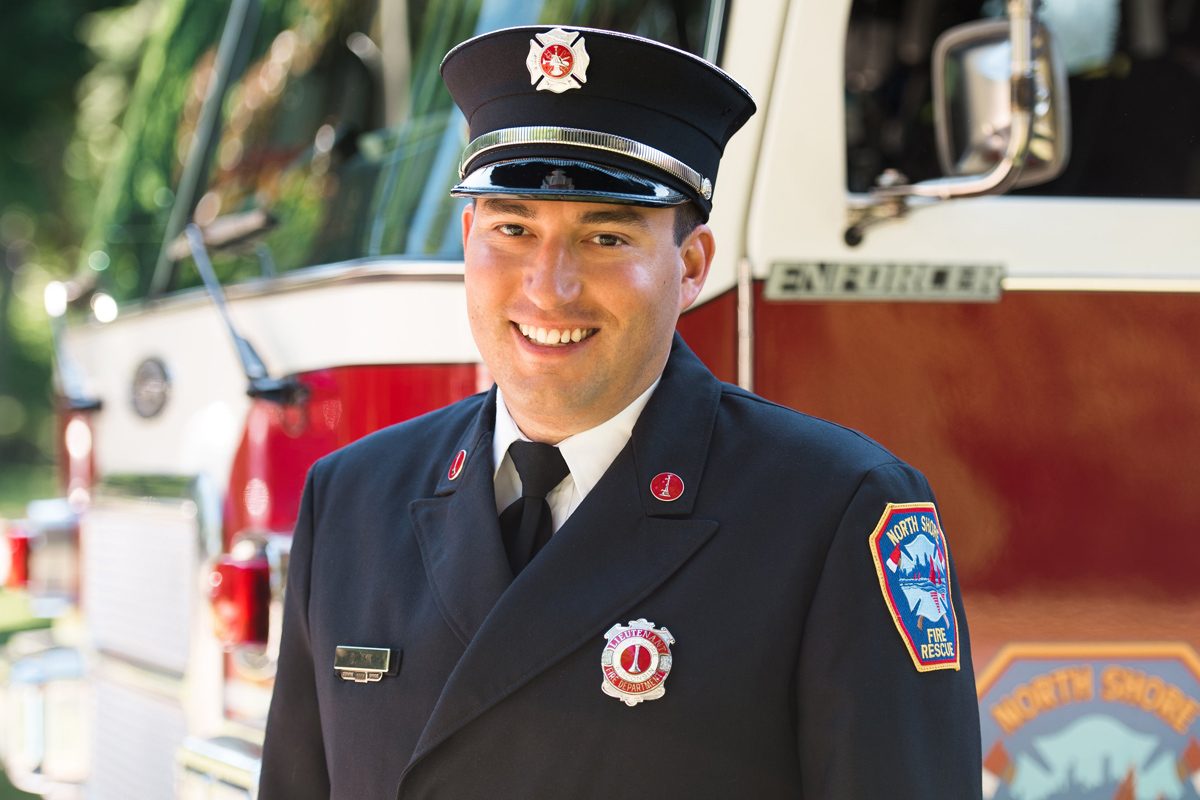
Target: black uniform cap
point(581, 114)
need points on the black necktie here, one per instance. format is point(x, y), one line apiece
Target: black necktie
point(526, 525)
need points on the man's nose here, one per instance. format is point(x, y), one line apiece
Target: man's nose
point(552, 277)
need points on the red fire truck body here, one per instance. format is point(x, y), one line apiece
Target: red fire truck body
point(1032, 353)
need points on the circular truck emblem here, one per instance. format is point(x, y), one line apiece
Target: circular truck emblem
point(151, 388)
point(557, 61)
point(636, 661)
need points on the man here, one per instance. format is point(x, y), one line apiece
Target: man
point(697, 593)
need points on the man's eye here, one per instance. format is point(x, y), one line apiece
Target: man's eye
point(608, 240)
point(511, 229)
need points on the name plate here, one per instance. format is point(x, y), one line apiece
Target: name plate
point(363, 664)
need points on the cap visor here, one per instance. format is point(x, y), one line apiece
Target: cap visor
point(566, 179)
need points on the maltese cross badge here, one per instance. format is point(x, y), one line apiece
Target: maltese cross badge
point(557, 61)
point(635, 662)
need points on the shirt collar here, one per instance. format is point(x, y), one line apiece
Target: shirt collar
point(589, 453)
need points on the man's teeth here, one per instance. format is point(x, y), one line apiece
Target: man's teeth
point(554, 335)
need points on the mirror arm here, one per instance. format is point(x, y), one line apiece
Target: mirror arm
point(888, 201)
point(1006, 171)
point(261, 384)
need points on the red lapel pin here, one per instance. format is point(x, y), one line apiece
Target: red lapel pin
point(666, 486)
point(457, 465)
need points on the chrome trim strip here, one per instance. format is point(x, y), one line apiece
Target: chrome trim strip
point(594, 140)
point(745, 324)
point(361, 270)
point(1100, 283)
point(137, 676)
point(224, 758)
point(161, 488)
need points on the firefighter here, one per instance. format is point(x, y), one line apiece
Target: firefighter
point(612, 575)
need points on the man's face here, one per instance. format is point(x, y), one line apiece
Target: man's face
point(573, 305)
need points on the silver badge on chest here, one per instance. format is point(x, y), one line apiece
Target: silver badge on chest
point(636, 661)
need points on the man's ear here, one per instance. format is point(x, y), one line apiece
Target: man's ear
point(468, 217)
point(696, 253)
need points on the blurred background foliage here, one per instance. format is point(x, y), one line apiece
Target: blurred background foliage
point(71, 64)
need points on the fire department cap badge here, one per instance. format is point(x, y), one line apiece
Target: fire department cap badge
point(557, 61)
point(912, 562)
point(636, 662)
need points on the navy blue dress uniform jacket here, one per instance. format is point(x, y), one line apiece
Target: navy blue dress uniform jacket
point(789, 676)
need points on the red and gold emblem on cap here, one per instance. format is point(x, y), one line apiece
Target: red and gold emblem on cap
point(557, 61)
point(636, 661)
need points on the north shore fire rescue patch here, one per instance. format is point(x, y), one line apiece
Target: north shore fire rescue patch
point(911, 559)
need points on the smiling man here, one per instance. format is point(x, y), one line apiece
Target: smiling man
point(612, 575)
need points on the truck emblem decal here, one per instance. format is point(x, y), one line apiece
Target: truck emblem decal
point(913, 565)
point(151, 388)
point(1096, 719)
point(557, 61)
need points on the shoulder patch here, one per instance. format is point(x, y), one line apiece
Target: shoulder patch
point(912, 562)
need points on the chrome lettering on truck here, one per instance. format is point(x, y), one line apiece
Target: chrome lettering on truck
point(824, 280)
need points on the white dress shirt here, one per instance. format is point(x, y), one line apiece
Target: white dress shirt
point(588, 455)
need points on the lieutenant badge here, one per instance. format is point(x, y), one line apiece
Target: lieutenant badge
point(912, 562)
point(557, 61)
point(636, 662)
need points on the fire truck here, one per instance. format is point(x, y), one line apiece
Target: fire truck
point(969, 229)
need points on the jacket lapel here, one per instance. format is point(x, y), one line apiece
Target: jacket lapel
point(584, 579)
point(459, 533)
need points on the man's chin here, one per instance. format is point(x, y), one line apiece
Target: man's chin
point(562, 404)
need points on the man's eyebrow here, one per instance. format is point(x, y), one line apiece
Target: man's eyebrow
point(498, 206)
point(618, 215)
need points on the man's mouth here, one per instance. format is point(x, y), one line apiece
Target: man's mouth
point(555, 336)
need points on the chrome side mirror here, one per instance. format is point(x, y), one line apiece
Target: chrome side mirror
point(1001, 111)
point(974, 108)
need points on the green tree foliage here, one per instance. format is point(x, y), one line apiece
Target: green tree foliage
point(43, 58)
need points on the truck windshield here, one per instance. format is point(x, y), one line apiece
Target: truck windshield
point(337, 139)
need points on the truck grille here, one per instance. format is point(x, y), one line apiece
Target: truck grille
point(140, 562)
point(135, 739)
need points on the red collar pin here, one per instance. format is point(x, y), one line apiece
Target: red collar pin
point(666, 486)
point(456, 465)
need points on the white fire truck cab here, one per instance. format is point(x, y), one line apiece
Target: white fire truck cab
point(971, 234)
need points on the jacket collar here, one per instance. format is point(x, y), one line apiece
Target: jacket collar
point(459, 533)
point(675, 429)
